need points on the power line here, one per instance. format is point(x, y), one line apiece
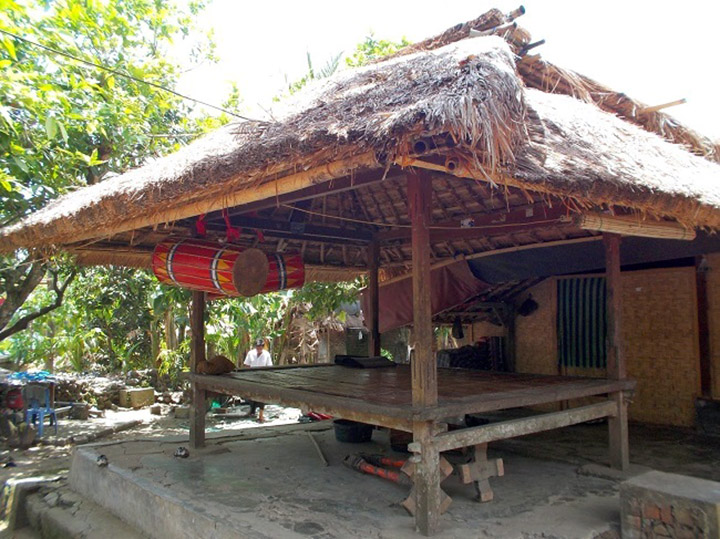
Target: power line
point(125, 75)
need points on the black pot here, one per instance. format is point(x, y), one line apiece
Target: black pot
point(351, 431)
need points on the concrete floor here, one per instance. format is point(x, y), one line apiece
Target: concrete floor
point(271, 483)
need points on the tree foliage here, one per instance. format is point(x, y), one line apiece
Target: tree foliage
point(65, 124)
point(373, 49)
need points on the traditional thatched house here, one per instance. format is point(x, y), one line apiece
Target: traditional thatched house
point(457, 149)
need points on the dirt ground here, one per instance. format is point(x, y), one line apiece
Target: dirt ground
point(46, 458)
point(279, 489)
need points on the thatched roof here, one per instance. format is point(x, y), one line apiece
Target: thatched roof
point(463, 101)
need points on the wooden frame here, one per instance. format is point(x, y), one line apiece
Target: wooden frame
point(425, 414)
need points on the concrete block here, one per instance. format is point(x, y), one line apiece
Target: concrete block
point(137, 397)
point(182, 412)
point(671, 505)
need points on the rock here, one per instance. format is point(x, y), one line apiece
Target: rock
point(27, 436)
point(80, 410)
point(7, 429)
point(182, 412)
point(52, 499)
point(94, 412)
point(156, 409)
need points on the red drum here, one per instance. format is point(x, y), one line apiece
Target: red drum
point(225, 270)
point(284, 273)
point(205, 266)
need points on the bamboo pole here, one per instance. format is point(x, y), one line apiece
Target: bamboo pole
point(447, 261)
point(236, 196)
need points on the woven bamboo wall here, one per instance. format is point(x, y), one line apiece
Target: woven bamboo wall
point(713, 294)
point(535, 335)
point(486, 329)
point(660, 336)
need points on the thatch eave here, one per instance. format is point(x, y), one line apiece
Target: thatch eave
point(368, 120)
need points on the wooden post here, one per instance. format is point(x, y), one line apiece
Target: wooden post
point(424, 367)
point(701, 269)
point(373, 264)
point(197, 354)
point(616, 370)
point(510, 352)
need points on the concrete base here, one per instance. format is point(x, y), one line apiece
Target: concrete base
point(272, 483)
point(612, 474)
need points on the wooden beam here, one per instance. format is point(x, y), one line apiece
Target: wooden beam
point(526, 396)
point(616, 370)
point(442, 262)
point(197, 354)
point(335, 186)
point(520, 427)
point(701, 269)
point(428, 496)
point(373, 263)
point(297, 230)
point(510, 350)
point(229, 197)
point(489, 224)
point(615, 358)
point(338, 406)
point(424, 367)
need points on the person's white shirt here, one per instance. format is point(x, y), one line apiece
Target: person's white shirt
point(253, 359)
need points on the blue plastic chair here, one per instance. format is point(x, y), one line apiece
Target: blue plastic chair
point(39, 407)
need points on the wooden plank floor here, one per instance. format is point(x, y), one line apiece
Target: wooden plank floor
point(388, 390)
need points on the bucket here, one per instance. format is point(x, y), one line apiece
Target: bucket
point(351, 431)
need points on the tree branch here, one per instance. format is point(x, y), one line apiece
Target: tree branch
point(18, 293)
point(25, 320)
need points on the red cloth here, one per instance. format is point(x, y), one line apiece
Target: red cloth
point(449, 286)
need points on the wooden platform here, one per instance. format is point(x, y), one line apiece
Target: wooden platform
point(383, 396)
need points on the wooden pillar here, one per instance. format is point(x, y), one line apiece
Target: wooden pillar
point(701, 269)
point(373, 264)
point(424, 367)
point(616, 370)
point(197, 354)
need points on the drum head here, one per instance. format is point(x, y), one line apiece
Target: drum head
point(250, 272)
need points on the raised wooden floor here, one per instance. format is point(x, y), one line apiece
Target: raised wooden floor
point(383, 396)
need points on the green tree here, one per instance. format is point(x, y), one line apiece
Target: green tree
point(373, 49)
point(65, 124)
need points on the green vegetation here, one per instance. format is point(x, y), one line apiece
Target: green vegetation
point(63, 125)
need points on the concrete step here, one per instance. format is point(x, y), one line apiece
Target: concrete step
point(54, 511)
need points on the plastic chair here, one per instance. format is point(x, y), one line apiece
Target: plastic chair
point(39, 406)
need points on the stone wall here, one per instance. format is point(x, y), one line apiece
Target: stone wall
point(658, 504)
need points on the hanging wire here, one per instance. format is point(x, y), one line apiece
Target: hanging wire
point(402, 225)
point(130, 77)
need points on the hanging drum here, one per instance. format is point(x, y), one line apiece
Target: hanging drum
point(226, 270)
point(285, 272)
point(210, 267)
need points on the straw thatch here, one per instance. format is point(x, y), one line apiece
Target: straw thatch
point(466, 95)
point(596, 158)
point(537, 73)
